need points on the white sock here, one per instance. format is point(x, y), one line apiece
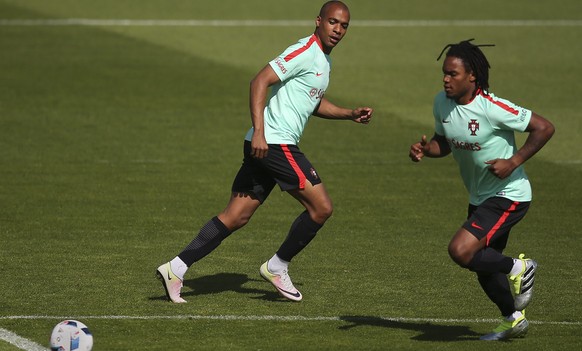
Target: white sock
point(178, 267)
point(515, 315)
point(517, 267)
point(276, 265)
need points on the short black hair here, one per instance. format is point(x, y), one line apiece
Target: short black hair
point(473, 59)
point(329, 3)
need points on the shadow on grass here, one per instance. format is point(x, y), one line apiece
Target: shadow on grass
point(428, 331)
point(223, 282)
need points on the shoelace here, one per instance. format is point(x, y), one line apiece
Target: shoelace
point(286, 280)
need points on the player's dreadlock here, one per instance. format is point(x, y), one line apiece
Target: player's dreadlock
point(474, 60)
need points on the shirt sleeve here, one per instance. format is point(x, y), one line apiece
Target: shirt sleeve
point(287, 66)
point(505, 115)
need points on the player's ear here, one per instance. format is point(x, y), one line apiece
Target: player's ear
point(317, 21)
point(472, 78)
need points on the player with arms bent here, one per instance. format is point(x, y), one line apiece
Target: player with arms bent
point(478, 129)
point(299, 78)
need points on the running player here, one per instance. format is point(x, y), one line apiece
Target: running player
point(478, 129)
point(298, 79)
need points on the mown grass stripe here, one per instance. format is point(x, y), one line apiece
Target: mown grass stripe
point(284, 23)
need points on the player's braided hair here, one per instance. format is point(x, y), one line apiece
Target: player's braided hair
point(473, 59)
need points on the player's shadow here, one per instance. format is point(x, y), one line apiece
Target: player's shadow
point(223, 282)
point(428, 331)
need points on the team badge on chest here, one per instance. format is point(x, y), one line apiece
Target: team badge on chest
point(473, 126)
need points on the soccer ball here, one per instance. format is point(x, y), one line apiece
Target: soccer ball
point(71, 335)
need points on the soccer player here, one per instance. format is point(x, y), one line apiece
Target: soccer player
point(298, 79)
point(478, 128)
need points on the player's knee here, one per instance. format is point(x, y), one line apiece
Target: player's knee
point(240, 222)
point(328, 210)
point(459, 255)
point(234, 222)
point(323, 212)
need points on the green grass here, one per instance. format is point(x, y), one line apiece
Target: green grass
point(118, 143)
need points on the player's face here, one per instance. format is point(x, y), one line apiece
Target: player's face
point(332, 26)
point(459, 84)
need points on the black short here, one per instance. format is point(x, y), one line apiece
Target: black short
point(493, 219)
point(285, 165)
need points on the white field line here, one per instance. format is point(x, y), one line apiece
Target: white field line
point(284, 23)
point(568, 162)
point(29, 345)
point(20, 342)
point(289, 319)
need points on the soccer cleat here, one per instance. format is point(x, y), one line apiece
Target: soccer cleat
point(507, 330)
point(523, 283)
point(281, 282)
point(171, 283)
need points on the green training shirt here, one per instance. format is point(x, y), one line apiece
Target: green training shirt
point(303, 70)
point(480, 131)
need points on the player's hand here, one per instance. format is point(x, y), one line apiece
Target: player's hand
point(362, 115)
point(259, 147)
point(501, 168)
point(417, 150)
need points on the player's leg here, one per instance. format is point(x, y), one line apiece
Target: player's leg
point(239, 210)
point(495, 285)
point(318, 209)
point(251, 186)
point(513, 323)
point(490, 225)
point(490, 265)
point(498, 216)
point(237, 213)
point(471, 252)
point(295, 174)
point(492, 268)
point(479, 243)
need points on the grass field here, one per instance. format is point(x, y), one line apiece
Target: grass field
point(118, 140)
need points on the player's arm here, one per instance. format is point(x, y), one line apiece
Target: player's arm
point(328, 110)
point(540, 131)
point(437, 146)
point(257, 100)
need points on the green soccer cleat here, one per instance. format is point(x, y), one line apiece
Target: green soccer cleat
point(523, 283)
point(507, 330)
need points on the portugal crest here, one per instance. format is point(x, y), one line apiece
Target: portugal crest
point(473, 126)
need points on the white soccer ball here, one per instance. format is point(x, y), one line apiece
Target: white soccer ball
point(71, 335)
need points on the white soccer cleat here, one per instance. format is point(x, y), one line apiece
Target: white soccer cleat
point(281, 282)
point(523, 283)
point(172, 284)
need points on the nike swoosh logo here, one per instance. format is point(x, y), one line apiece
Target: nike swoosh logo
point(475, 225)
point(318, 74)
point(297, 294)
